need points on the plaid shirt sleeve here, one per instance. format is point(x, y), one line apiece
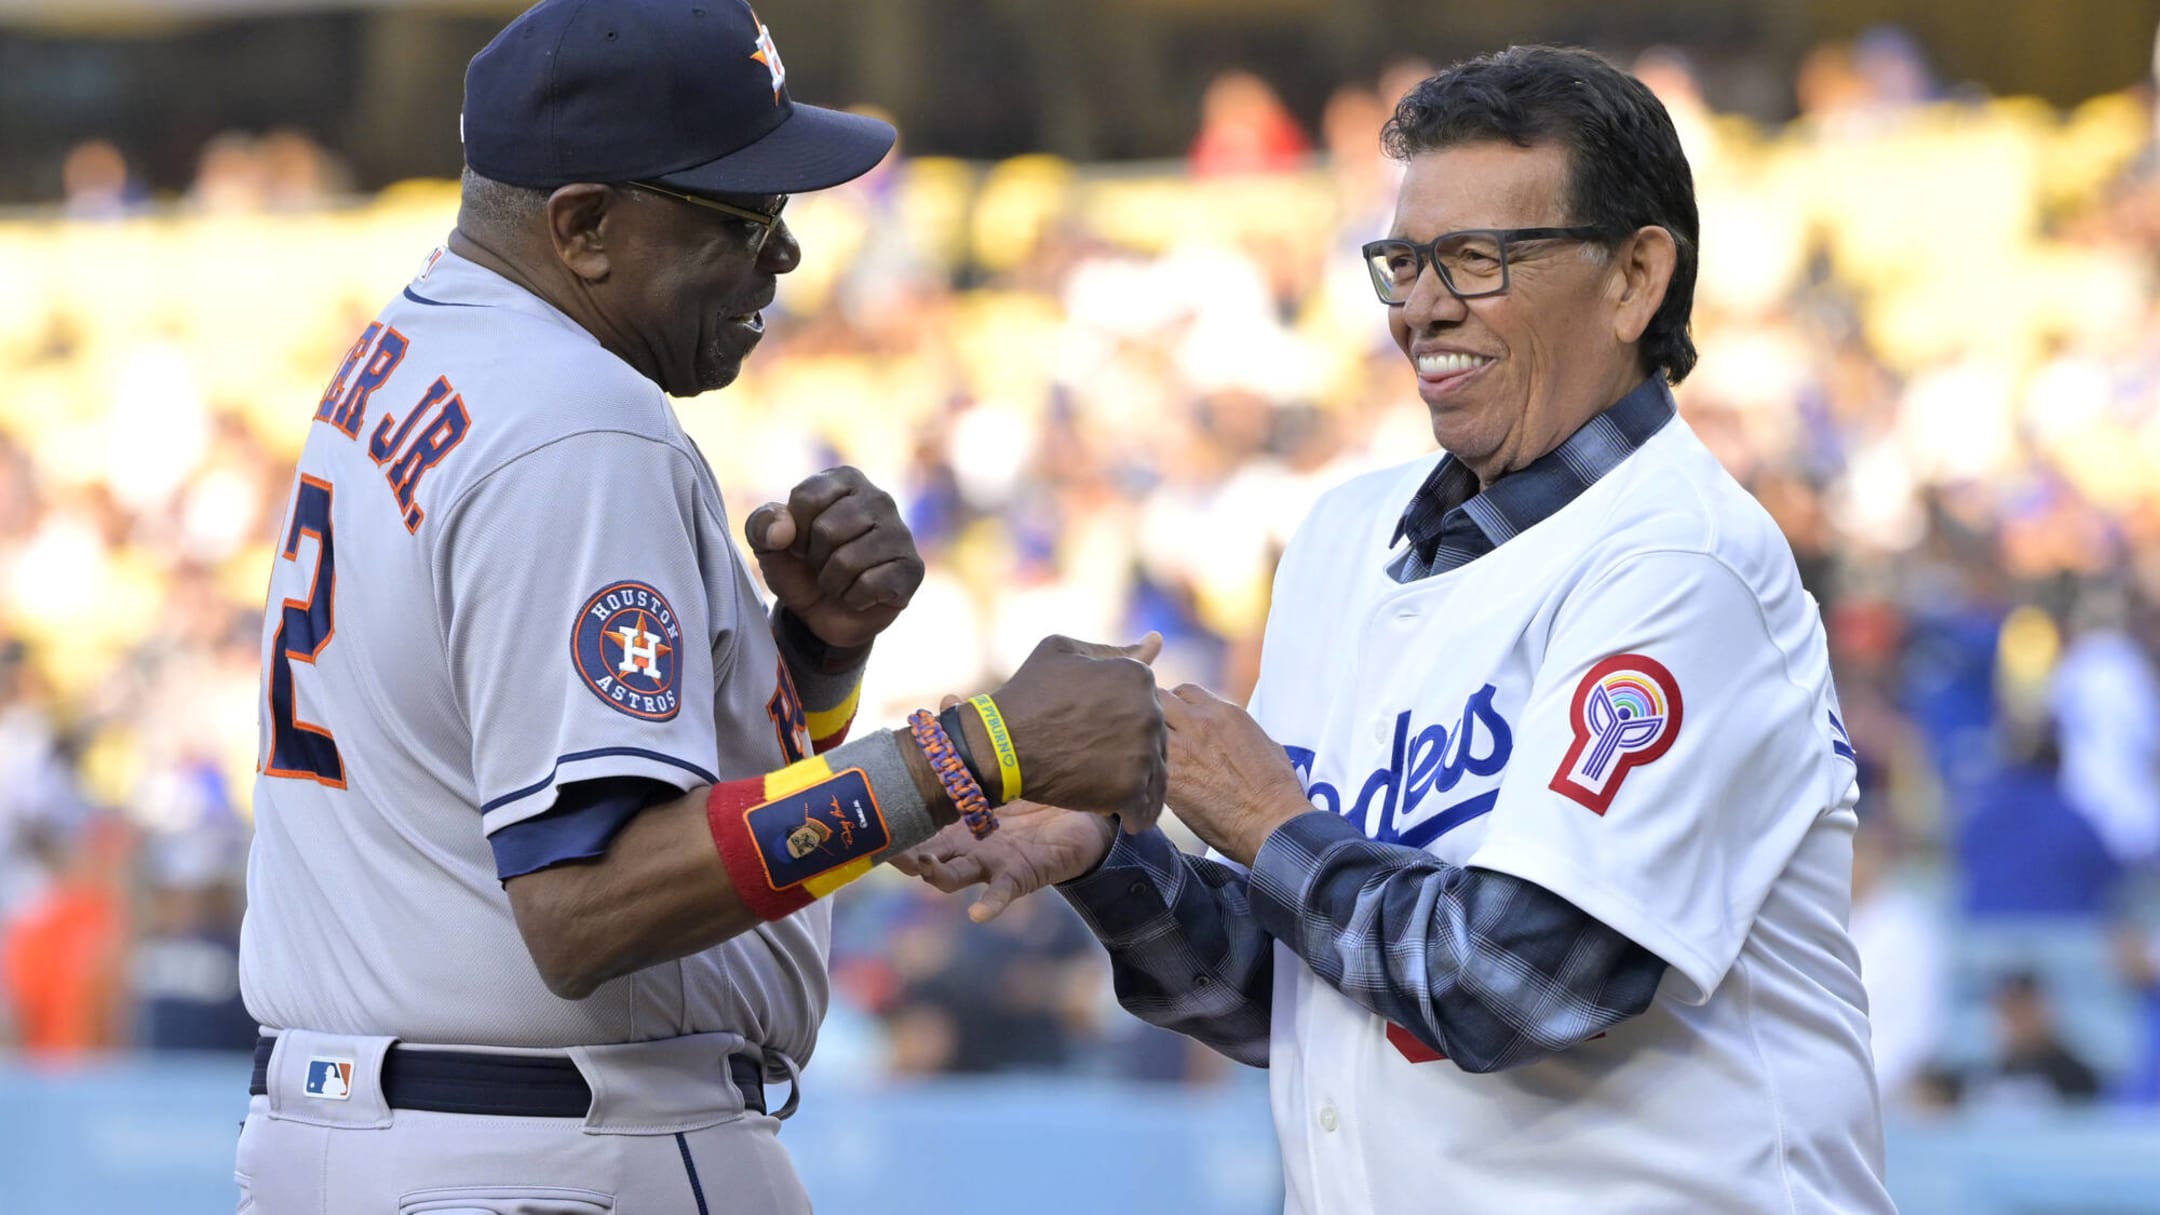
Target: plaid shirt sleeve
point(1185, 952)
point(1489, 970)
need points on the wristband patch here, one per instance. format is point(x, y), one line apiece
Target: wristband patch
point(627, 647)
point(1626, 713)
point(810, 832)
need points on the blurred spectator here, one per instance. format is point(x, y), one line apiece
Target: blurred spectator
point(230, 176)
point(2107, 696)
point(238, 173)
point(38, 802)
point(2022, 849)
point(1894, 68)
point(1830, 90)
point(61, 955)
point(1003, 997)
point(297, 174)
point(1935, 1090)
point(2137, 953)
point(1951, 636)
point(1866, 87)
point(95, 180)
point(186, 968)
point(2035, 1067)
point(1670, 74)
point(1245, 128)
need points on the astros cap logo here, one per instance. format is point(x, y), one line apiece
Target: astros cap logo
point(1626, 714)
point(625, 646)
point(769, 55)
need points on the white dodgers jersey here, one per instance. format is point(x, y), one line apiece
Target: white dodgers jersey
point(503, 568)
point(1628, 704)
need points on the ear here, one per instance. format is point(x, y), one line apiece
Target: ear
point(578, 223)
point(1642, 270)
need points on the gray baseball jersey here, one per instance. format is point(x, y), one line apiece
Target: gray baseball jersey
point(503, 568)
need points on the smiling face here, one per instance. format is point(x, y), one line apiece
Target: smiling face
point(1507, 377)
point(686, 290)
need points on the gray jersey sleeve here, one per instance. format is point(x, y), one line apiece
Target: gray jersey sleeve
point(578, 622)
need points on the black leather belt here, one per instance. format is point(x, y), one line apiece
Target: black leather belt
point(517, 1086)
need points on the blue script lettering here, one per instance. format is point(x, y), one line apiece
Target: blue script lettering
point(1420, 762)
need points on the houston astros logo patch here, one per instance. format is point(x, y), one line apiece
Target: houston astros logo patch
point(626, 646)
point(1626, 714)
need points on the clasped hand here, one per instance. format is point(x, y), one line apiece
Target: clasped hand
point(1228, 781)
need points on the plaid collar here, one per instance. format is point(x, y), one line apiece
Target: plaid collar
point(1450, 523)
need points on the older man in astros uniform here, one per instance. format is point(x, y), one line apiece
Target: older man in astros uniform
point(549, 797)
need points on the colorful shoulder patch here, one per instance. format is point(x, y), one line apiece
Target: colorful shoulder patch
point(1626, 713)
point(627, 646)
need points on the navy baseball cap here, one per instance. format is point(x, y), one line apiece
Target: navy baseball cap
point(688, 93)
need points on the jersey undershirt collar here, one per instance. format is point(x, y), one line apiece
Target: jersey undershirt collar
point(1451, 524)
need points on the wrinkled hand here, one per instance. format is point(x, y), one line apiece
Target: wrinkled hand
point(1229, 782)
point(1035, 846)
point(837, 555)
point(1088, 729)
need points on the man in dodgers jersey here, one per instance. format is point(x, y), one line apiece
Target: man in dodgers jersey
point(1546, 910)
point(547, 797)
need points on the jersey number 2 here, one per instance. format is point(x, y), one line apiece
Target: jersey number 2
point(298, 749)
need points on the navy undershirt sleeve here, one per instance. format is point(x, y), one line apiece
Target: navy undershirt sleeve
point(579, 826)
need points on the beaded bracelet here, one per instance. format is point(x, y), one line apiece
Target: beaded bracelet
point(964, 790)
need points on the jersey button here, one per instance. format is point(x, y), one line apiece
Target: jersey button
point(1383, 730)
point(1328, 1120)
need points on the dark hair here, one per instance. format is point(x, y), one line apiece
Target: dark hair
point(1625, 166)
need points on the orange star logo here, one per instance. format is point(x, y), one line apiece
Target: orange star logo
point(769, 55)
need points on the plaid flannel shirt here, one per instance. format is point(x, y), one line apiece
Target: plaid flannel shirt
point(1490, 970)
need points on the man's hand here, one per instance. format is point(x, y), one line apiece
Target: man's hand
point(837, 556)
point(1229, 782)
point(1089, 731)
point(1035, 846)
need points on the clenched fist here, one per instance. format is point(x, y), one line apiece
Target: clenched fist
point(837, 555)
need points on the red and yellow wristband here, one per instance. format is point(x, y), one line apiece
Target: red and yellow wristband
point(829, 727)
point(793, 836)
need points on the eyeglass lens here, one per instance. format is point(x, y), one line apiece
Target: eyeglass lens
point(1473, 263)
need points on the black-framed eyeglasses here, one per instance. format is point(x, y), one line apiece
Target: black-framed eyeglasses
point(766, 221)
point(1472, 263)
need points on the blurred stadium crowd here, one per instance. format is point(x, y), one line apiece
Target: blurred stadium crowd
point(1930, 326)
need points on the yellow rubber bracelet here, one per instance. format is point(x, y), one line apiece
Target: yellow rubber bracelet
point(1000, 739)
